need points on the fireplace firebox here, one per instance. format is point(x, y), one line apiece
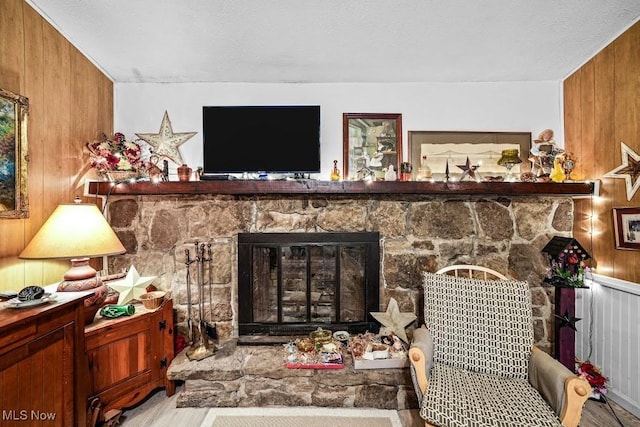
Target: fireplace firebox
point(290, 284)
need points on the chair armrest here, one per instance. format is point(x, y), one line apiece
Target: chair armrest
point(421, 357)
point(563, 390)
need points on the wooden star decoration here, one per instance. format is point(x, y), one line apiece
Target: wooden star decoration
point(629, 170)
point(568, 320)
point(393, 321)
point(132, 286)
point(469, 170)
point(165, 143)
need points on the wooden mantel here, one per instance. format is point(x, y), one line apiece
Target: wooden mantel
point(257, 187)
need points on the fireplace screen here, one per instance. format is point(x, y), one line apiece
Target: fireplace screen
point(292, 283)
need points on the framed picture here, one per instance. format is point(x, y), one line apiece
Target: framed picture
point(371, 142)
point(13, 155)
point(434, 150)
point(626, 222)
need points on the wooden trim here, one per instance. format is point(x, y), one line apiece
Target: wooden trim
point(241, 187)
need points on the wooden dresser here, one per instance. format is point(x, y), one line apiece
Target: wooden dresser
point(128, 358)
point(42, 364)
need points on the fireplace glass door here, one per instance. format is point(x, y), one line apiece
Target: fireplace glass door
point(292, 283)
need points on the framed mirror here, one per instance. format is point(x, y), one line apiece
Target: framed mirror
point(13, 155)
point(371, 142)
point(434, 150)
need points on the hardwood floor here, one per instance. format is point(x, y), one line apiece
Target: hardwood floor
point(160, 411)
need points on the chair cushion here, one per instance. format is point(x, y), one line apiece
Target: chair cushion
point(480, 325)
point(457, 398)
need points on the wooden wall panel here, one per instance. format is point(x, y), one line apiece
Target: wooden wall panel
point(70, 102)
point(602, 108)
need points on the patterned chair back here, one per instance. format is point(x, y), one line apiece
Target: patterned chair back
point(480, 325)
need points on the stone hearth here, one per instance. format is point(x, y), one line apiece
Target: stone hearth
point(256, 376)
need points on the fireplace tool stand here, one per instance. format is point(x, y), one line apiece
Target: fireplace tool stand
point(201, 333)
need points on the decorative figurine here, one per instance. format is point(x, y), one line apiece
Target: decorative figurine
point(390, 174)
point(335, 173)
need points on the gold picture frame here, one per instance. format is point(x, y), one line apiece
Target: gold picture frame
point(371, 142)
point(453, 148)
point(14, 111)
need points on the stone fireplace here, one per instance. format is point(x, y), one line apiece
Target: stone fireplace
point(416, 233)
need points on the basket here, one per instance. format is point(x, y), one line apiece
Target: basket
point(152, 300)
point(122, 175)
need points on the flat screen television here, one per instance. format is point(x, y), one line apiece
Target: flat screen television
point(254, 139)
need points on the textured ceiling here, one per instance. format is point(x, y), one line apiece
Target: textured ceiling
point(339, 40)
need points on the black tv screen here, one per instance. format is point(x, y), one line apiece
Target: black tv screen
point(253, 139)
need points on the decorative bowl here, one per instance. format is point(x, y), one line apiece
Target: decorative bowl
point(152, 300)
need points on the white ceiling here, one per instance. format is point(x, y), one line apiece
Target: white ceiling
point(339, 40)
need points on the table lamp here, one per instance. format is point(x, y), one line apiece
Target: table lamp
point(77, 231)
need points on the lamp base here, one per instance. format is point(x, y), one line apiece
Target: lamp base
point(93, 303)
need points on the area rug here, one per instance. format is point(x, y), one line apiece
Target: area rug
point(300, 417)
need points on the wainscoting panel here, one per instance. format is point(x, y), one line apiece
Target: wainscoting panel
point(609, 336)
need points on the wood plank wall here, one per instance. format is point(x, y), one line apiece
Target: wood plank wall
point(601, 110)
point(70, 103)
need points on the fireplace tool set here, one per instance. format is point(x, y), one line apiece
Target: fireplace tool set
point(202, 334)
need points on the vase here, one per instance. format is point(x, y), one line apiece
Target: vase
point(184, 173)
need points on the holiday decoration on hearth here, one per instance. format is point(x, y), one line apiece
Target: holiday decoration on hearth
point(132, 286)
point(165, 143)
point(393, 321)
point(629, 170)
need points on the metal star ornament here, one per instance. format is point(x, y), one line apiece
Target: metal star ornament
point(629, 170)
point(393, 321)
point(165, 143)
point(132, 286)
point(568, 320)
point(469, 170)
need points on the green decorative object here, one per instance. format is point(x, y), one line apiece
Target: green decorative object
point(113, 311)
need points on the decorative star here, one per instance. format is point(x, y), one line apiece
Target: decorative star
point(568, 320)
point(629, 170)
point(393, 321)
point(469, 170)
point(132, 286)
point(165, 142)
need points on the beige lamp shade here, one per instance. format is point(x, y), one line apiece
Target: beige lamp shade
point(74, 230)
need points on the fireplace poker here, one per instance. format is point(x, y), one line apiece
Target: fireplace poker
point(203, 348)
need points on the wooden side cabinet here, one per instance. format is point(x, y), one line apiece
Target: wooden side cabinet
point(42, 369)
point(128, 358)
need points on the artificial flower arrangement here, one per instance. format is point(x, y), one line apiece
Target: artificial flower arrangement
point(116, 154)
point(569, 268)
point(594, 377)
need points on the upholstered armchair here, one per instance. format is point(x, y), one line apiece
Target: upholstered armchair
point(474, 363)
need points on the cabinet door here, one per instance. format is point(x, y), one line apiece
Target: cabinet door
point(37, 381)
point(120, 361)
point(128, 357)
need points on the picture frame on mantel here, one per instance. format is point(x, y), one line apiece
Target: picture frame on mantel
point(626, 222)
point(453, 148)
point(14, 110)
point(371, 142)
